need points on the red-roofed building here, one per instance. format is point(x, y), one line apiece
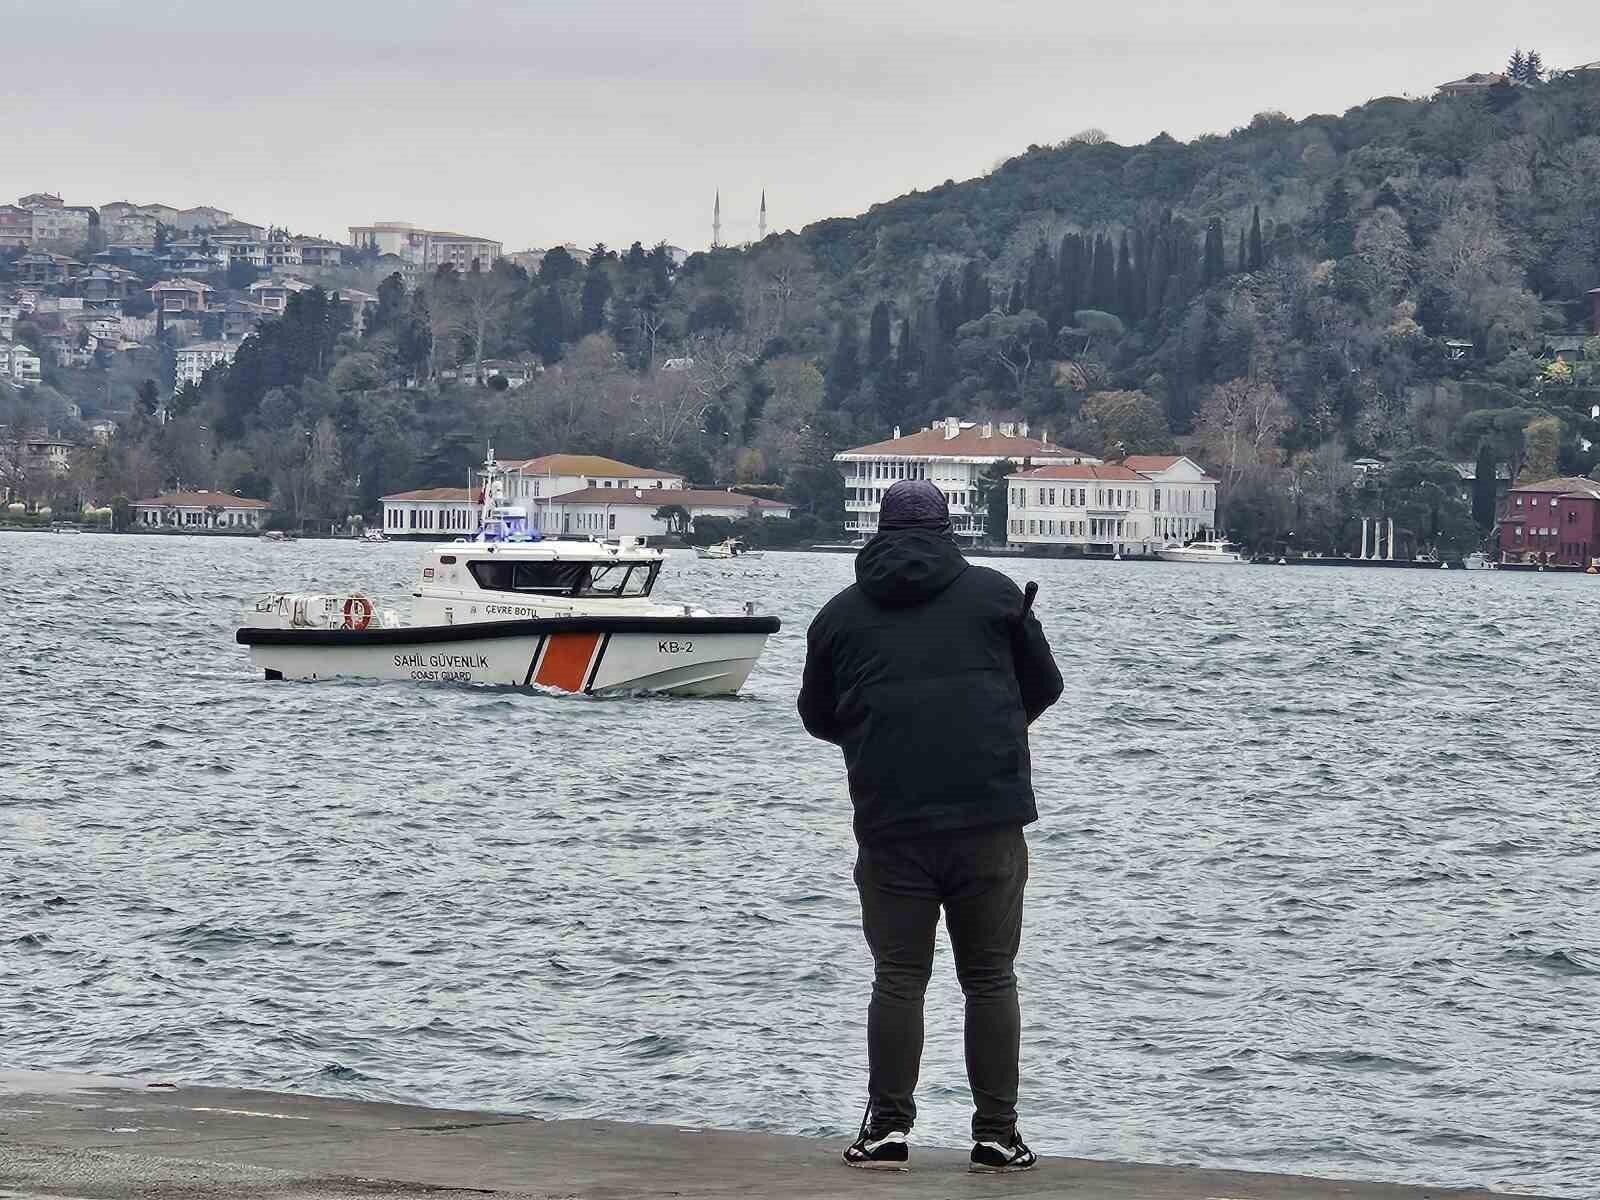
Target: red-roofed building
point(1130, 507)
point(598, 511)
point(559, 474)
point(616, 512)
point(954, 455)
point(1552, 521)
point(199, 510)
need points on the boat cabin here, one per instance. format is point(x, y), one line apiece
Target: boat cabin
point(564, 570)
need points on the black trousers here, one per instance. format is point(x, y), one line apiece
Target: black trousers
point(977, 877)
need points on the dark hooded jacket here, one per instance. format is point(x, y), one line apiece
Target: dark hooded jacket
point(926, 674)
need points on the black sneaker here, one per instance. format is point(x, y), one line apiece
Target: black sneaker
point(886, 1153)
point(997, 1158)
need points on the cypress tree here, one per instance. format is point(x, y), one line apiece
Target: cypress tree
point(984, 303)
point(549, 325)
point(1257, 255)
point(592, 305)
point(878, 348)
point(844, 367)
point(934, 349)
point(947, 308)
point(1042, 290)
point(1338, 227)
point(905, 351)
point(1069, 274)
point(974, 291)
point(1244, 251)
point(1014, 304)
point(1213, 261)
point(1155, 274)
point(1103, 279)
point(1126, 304)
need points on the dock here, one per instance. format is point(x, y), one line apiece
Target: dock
point(77, 1137)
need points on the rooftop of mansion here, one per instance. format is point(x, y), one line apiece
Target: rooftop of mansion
point(201, 499)
point(651, 497)
point(1141, 467)
point(954, 438)
point(657, 497)
point(584, 464)
point(1564, 485)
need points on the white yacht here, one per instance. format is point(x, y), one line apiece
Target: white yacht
point(508, 607)
point(1218, 553)
point(1479, 561)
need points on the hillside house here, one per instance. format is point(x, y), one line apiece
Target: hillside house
point(46, 270)
point(180, 295)
point(16, 227)
point(1473, 85)
point(193, 361)
point(18, 364)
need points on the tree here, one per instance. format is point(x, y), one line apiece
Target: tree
point(1133, 420)
point(878, 347)
point(1240, 424)
point(676, 516)
point(995, 486)
point(556, 265)
point(1421, 491)
point(391, 307)
point(1542, 437)
point(1257, 256)
point(1338, 227)
point(1004, 341)
point(596, 295)
point(1517, 68)
point(1092, 323)
point(844, 365)
point(549, 323)
point(1214, 268)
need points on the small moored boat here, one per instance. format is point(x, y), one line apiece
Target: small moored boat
point(732, 548)
point(508, 607)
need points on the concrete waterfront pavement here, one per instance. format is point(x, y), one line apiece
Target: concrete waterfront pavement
point(95, 1138)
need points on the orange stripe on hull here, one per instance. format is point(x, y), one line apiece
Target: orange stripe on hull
point(566, 661)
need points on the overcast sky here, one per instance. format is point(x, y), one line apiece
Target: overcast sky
point(547, 121)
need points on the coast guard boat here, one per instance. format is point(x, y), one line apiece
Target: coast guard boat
point(509, 607)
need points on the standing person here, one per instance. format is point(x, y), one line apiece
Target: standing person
point(927, 673)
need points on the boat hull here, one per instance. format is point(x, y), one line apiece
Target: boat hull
point(687, 656)
point(1214, 560)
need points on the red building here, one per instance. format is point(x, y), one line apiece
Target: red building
point(1554, 521)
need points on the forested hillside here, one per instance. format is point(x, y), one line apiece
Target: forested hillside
point(1394, 283)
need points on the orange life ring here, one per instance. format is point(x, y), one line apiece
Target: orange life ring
point(357, 612)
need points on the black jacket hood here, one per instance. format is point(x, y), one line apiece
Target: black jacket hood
point(906, 567)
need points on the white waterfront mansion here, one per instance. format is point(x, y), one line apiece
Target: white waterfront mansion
point(1131, 507)
point(954, 455)
point(572, 494)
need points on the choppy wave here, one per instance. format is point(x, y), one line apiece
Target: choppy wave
point(1313, 889)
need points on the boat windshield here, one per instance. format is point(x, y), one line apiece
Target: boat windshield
point(552, 578)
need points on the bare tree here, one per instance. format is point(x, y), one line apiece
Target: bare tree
point(668, 405)
point(1240, 424)
point(479, 304)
